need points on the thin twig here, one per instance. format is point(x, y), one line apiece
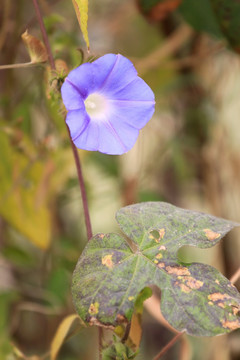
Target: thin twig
point(44, 34)
point(235, 276)
point(168, 346)
point(17, 66)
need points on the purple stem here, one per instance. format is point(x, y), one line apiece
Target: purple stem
point(75, 153)
point(82, 189)
point(44, 34)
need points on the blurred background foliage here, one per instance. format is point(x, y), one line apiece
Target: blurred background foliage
point(188, 155)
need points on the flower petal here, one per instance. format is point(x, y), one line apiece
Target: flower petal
point(71, 96)
point(122, 73)
point(99, 136)
point(135, 114)
point(124, 135)
point(116, 142)
point(77, 121)
point(90, 77)
point(89, 138)
point(136, 90)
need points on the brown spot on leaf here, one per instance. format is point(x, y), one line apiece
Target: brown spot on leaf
point(235, 310)
point(162, 247)
point(161, 233)
point(217, 282)
point(161, 265)
point(211, 235)
point(188, 283)
point(101, 236)
point(159, 256)
point(184, 288)
point(177, 270)
point(232, 325)
point(107, 261)
point(193, 283)
point(220, 304)
point(93, 308)
point(218, 296)
point(210, 303)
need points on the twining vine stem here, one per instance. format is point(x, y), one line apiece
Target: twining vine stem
point(44, 34)
point(75, 153)
point(82, 189)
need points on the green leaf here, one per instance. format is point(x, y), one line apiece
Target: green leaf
point(200, 15)
point(228, 15)
point(118, 351)
point(81, 10)
point(110, 274)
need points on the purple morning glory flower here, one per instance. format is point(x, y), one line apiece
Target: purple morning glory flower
point(107, 104)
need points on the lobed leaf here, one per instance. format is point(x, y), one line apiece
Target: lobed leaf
point(111, 272)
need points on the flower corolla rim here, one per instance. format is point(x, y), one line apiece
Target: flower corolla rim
point(107, 104)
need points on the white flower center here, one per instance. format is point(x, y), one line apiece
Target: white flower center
point(96, 105)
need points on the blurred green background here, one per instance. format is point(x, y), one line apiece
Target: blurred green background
point(188, 155)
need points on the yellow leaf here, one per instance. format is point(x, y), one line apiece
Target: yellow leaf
point(24, 193)
point(61, 334)
point(135, 333)
point(81, 9)
point(28, 184)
